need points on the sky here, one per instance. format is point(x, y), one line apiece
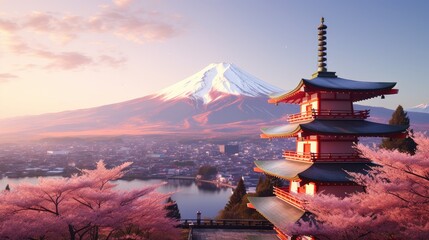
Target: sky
point(74, 54)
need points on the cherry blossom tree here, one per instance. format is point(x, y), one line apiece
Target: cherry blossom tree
point(395, 204)
point(84, 206)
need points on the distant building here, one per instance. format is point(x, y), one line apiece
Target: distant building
point(229, 149)
point(60, 152)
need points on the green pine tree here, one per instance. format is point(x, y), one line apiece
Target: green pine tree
point(236, 208)
point(7, 187)
point(232, 208)
point(266, 186)
point(236, 197)
point(172, 209)
point(406, 145)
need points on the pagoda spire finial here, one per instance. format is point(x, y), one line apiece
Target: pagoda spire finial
point(322, 46)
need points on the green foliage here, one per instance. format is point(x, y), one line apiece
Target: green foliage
point(240, 211)
point(236, 208)
point(405, 145)
point(265, 186)
point(236, 197)
point(207, 171)
point(399, 117)
point(172, 209)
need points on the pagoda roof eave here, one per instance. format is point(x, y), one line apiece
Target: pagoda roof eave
point(312, 171)
point(335, 127)
point(360, 96)
point(278, 212)
point(282, 131)
point(334, 84)
point(288, 97)
point(342, 84)
point(284, 169)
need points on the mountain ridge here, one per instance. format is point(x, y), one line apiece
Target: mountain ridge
point(215, 111)
point(422, 108)
point(217, 80)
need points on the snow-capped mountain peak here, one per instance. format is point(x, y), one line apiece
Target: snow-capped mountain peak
point(420, 108)
point(216, 80)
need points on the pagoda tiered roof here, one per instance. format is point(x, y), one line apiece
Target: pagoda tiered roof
point(312, 171)
point(278, 212)
point(334, 127)
point(359, 90)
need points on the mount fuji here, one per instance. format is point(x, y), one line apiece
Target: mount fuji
point(423, 108)
point(215, 82)
point(219, 100)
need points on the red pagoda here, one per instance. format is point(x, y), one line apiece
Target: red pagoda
point(326, 129)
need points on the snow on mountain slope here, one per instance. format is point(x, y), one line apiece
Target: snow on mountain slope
point(424, 108)
point(216, 81)
point(236, 103)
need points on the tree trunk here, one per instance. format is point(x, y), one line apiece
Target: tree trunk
point(72, 233)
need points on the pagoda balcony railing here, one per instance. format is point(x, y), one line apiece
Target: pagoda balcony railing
point(323, 157)
point(284, 194)
point(330, 114)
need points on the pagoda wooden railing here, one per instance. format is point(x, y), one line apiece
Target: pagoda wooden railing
point(285, 195)
point(331, 114)
point(298, 156)
point(323, 157)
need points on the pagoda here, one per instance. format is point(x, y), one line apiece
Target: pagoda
point(326, 130)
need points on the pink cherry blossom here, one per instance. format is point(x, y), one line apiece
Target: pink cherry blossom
point(395, 204)
point(84, 206)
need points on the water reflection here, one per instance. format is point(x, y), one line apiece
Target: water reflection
point(189, 195)
point(209, 187)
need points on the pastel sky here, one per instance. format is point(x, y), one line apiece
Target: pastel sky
point(71, 54)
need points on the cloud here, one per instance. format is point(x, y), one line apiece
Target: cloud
point(7, 26)
point(135, 25)
point(5, 77)
point(124, 19)
point(119, 19)
point(60, 28)
point(122, 3)
point(64, 60)
point(38, 33)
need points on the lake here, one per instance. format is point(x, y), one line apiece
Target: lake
point(189, 195)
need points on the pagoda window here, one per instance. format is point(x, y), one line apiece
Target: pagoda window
point(294, 185)
point(302, 189)
point(306, 146)
point(310, 189)
point(309, 106)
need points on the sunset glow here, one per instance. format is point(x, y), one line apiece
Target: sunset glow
point(66, 55)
